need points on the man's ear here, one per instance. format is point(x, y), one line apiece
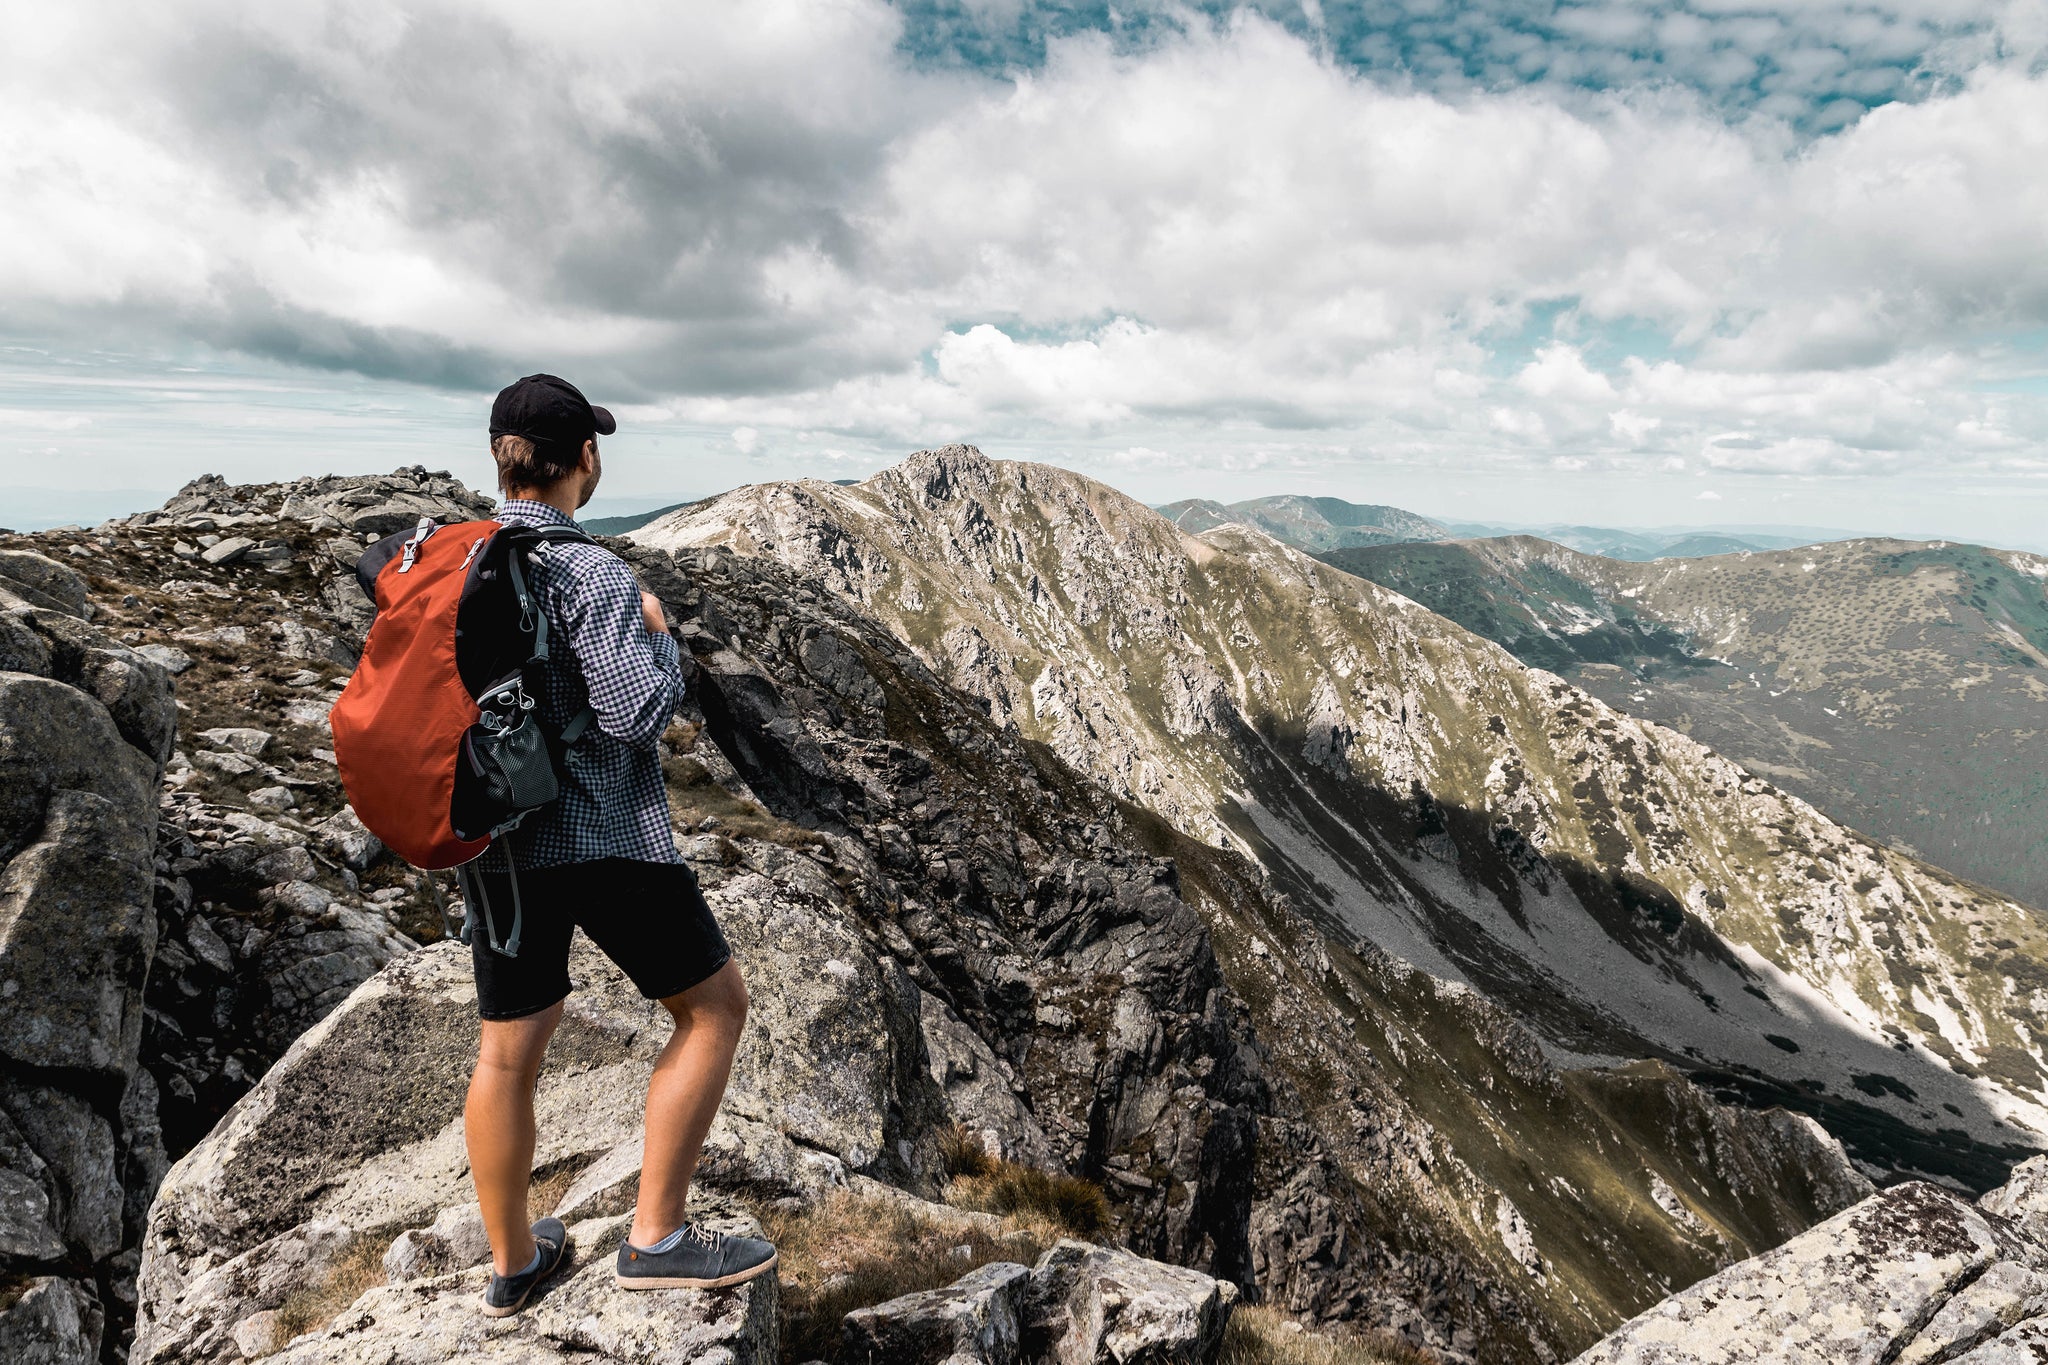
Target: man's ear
point(589, 460)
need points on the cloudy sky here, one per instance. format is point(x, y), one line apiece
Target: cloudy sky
point(1663, 262)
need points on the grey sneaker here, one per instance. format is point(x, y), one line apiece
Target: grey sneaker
point(507, 1294)
point(694, 1258)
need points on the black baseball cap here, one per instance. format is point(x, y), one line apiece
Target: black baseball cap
point(548, 411)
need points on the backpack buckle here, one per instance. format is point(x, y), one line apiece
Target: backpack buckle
point(412, 545)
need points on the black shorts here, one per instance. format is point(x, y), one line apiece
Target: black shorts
point(649, 918)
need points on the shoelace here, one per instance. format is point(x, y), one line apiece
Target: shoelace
point(703, 1237)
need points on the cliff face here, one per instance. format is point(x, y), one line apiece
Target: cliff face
point(1619, 888)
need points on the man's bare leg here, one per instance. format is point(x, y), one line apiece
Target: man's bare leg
point(497, 1125)
point(689, 1081)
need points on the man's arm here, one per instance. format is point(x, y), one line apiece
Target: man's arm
point(634, 673)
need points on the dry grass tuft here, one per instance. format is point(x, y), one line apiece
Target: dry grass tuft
point(852, 1251)
point(1264, 1336)
point(1069, 1204)
point(358, 1269)
point(962, 1154)
point(693, 794)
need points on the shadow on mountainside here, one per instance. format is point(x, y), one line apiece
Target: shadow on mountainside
point(1610, 967)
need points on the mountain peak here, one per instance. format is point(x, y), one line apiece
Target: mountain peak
point(948, 473)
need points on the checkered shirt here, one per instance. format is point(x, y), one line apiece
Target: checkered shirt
point(600, 654)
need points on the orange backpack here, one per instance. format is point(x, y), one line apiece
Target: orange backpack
point(437, 734)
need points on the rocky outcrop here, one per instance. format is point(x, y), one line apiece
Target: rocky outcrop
point(581, 1316)
point(249, 1253)
point(1910, 1276)
point(370, 1099)
point(1079, 1305)
point(84, 728)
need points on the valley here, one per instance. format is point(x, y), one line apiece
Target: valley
point(1896, 685)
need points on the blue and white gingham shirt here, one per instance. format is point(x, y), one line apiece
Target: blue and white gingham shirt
point(600, 654)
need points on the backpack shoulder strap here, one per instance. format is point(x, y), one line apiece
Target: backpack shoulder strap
point(578, 724)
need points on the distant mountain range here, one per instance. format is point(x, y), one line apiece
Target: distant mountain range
point(1319, 524)
point(1665, 542)
point(1307, 523)
point(1897, 685)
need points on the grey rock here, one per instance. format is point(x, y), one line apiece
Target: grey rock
point(2023, 1197)
point(221, 1292)
point(135, 691)
point(819, 1056)
point(2025, 1344)
point(29, 1228)
point(228, 551)
point(169, 658)
point(455, 1241)
point(311, 714)
point(344, 836)
point(2003, 1295)
point(142, 1163)
point(581, 1316)
point(1091, 1304)
point(256, 1335)
point(297, 640)
point(837, 665)
point(606, 1188)
point(77, 932)
point(77, 1148)
point(273, 798)
point(976, 1320)
point(44, 582)
point(207, 946)
point(980, 1087)
point(54, 1322)
point(240, 739)
point(221, 637)
point(305, 900)
point(284, 1163)
point(270, 552)
point(1856, 1290)
point(233, 765)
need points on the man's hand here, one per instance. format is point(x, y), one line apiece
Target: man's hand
point(650, 613)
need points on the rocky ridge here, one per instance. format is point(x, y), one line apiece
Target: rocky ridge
point(1620, 888)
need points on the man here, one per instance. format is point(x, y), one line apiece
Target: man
point(600, 857)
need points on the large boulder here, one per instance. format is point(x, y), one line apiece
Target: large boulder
point(976, 1320)
point(1910, 1276)
point(1080, 1305)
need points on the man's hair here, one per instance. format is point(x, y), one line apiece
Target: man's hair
point(528, 464)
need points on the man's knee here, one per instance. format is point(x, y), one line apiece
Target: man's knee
point(720, 1001)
